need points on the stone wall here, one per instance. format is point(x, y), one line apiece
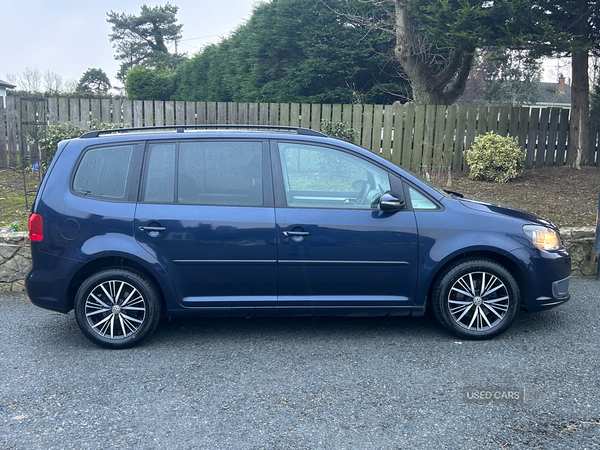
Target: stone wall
point(580, 242)
point(15, 257)
point(15, 261)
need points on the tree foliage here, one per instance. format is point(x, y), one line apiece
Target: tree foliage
point(512, 78)
point(53, 83)
point(295, 51)
point(435, 41)
point(142, 40)
point(569, 28)
point(31, 83)
point(94, 81)
point(150, 84)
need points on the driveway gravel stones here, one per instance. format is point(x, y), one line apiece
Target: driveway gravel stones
point(338, 383)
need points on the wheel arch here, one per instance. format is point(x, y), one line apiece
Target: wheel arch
point(491, 255)
point(106, 262)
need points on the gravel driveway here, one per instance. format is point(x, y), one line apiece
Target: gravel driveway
point(301, 383)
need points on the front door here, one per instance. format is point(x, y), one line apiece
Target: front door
point(206, 216)
point(336, 248)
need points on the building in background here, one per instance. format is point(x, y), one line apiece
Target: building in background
point(555, 95)
point(3, 87)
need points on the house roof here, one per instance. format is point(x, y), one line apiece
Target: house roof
point(4, 84)
point(552, 96)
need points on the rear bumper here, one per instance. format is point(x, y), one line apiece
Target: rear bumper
point(47, 283)
point(45, 293)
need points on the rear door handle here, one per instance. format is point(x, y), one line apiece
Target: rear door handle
point(153, 231)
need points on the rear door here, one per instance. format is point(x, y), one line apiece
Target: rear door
point(337, 249)
point(206, 213)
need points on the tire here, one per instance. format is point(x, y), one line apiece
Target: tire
point(117, 308)
point(459, 305)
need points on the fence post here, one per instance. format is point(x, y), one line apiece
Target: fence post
point(3, 162)
point(11, 133)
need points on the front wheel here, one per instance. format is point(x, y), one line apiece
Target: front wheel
point(117, 308)
point(476, 299)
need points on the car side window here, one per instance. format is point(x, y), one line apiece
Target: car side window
point(322, 177)
point(104, 172)
point(160, 173)
point(220, 173)
point(419, 201)
point(227, 173)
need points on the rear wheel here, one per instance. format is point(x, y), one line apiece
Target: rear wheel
point(476, 299)
point(117, 308)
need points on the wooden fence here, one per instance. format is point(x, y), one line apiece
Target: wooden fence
point(408, 135)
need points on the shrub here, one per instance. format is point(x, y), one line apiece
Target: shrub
point(57, 133)
point(495, 158)
point(338, 130)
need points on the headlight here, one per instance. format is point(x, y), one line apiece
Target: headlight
point(542, 237)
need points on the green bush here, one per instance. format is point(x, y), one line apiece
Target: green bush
point(495, 158)
point(339, 130)
point(57, 133)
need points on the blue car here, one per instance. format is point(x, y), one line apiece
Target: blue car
point(130, 226)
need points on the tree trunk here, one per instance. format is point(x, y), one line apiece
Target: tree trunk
point(430, 85)
point(579, 131)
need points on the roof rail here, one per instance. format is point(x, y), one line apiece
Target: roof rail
point(183, 128)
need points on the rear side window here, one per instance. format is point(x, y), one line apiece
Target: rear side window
point(104, 172)
point(160, 173)
point(227, 173)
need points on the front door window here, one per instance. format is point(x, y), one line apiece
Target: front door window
point(321, 177)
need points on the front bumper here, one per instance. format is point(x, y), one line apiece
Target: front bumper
point(560, 295)
point(546, 275)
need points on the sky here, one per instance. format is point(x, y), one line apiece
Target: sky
point(70, 36)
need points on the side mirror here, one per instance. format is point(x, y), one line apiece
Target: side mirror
point(391, 201)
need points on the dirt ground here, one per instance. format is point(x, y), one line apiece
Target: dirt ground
point(563, 195)
point(566, 196)
point(12, 197)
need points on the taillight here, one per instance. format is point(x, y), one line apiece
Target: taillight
point(36, 227)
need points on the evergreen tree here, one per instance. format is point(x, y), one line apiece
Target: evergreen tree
point(512, 78)
point(436, 40)
point(295, 51)
point(569, 28)
point(142, 40)
point(143, 83)
point(93, 81)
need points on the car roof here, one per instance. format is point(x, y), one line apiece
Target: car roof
point(221, 129)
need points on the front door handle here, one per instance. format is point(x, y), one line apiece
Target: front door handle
point(296, 235)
